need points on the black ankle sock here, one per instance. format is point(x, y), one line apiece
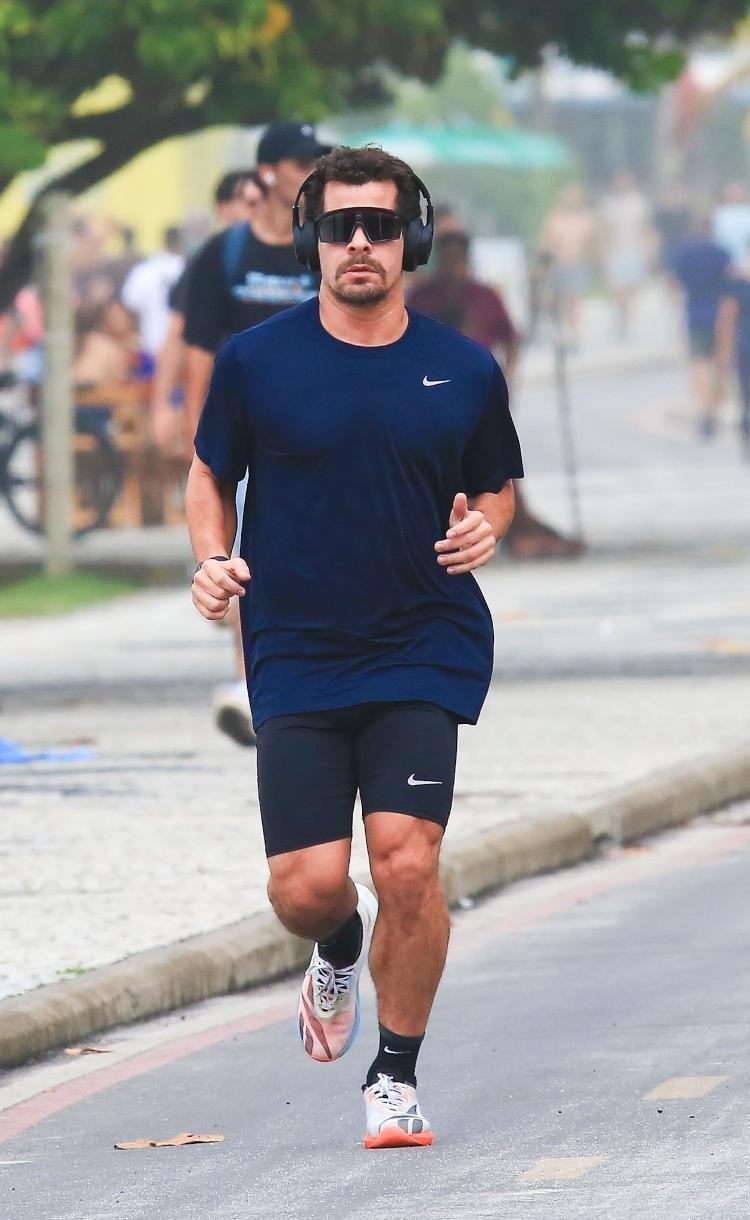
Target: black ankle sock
point(343, 948)
point(396, 1057)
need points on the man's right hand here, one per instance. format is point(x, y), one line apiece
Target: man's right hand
point(217, 582)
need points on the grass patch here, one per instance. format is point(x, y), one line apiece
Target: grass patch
point(46, 595)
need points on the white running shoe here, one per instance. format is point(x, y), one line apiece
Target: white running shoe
point(393, 1116)
point(328, 1010)
point(232, 712)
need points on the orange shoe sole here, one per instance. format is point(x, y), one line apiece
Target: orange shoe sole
point(394, 1137)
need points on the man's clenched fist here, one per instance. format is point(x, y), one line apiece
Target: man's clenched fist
point(469, 542)
point(217, 582)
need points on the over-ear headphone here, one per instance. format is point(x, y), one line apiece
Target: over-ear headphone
point(417, 236)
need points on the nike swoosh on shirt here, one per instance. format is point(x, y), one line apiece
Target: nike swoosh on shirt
point(426, 381)
point(414, 783)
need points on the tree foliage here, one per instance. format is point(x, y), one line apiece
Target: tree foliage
point(187, 64)
point(638, 40)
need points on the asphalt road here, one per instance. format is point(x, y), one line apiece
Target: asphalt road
point(567, 1002)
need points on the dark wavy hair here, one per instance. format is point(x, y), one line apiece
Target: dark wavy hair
point(356, 166)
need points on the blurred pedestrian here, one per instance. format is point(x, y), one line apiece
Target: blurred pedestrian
point(447, 219)
point(237, 280)
point(146, 291)
point(627, 240)
point(731, 223)
point(23, 338)
point(92, 282)
point(700, 266)
point(733, 331)
point(237, 197)
point(672, 222)
point(107, 345)
point(264, 277)
point(382, 453)
point(451, 295)
point(568, 239)
point(119, 267)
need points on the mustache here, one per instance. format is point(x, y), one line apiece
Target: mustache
point(359, 261)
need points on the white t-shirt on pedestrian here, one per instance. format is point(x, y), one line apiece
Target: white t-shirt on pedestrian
point(145, 291)
point(731, 225)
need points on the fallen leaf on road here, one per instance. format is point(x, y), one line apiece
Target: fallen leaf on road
point(183, 1137)
point(88, 1050)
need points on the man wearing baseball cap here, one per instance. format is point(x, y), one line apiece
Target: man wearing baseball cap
point(239, 278)
point(264, 277)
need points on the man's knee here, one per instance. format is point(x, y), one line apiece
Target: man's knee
point(305, 896)
point(405, 871)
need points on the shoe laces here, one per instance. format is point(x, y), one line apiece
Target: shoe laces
point(331, 983)
point(389, 1092)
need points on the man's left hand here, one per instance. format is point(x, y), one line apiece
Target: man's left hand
point(469, 541)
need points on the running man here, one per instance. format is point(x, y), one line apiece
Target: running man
point(381, 453)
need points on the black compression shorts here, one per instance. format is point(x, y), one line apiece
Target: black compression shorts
point(400, 756)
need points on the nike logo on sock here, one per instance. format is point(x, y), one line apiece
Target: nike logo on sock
point(415, 783)
point(388, 1051)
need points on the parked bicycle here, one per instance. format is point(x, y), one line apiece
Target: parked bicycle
point(98, 466)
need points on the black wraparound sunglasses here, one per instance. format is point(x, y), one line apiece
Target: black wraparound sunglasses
point(379, 224)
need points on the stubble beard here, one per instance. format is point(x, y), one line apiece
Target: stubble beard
point(359, 294)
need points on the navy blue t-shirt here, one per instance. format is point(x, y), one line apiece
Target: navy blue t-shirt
point(355, 455)
point(700, 266)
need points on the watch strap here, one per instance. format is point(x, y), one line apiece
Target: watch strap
point(222, 558)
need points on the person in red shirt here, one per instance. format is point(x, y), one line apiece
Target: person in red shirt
point(452, 296)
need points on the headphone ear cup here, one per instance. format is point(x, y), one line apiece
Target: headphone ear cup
point(425, 243)
point(412, 238)
point(417, 243)
point(305, 243)
point(299, 246)
point(310, 245)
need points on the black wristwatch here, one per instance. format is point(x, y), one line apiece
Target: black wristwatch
point(223, 558)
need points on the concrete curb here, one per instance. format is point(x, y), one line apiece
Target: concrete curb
point(673, 795)
point(257, 950)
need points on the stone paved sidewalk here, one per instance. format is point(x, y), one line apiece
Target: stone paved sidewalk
point(630, 660)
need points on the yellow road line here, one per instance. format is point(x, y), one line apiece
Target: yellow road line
point(560, 1169)
point(684, 1087)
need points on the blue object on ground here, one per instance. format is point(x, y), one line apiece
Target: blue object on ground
point(11, 752)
